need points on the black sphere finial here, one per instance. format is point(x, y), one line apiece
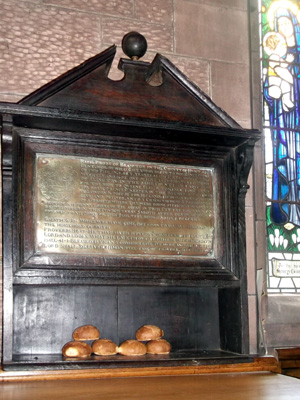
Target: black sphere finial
point(134, 45)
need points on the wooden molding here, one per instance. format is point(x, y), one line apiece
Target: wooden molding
point(260, 364)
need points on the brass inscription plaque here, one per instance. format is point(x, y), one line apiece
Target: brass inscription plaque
point(113, 207)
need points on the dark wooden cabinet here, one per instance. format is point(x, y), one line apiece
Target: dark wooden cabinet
point(153, 124)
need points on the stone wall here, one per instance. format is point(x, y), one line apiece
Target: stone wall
point(208, 40)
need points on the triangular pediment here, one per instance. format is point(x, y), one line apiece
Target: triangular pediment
point(155, 91)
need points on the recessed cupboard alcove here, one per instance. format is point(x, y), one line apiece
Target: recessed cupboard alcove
point(123, 205)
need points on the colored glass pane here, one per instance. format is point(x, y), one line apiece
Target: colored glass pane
point(280, 32)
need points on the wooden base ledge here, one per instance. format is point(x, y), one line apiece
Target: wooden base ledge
point(260, 364)
point(289, 359)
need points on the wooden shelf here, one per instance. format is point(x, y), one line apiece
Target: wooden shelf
point(259, 364)
point(177, 358)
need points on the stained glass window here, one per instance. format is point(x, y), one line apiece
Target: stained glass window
point(280, 54)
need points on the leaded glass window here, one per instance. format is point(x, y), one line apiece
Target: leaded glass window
point(280, 53)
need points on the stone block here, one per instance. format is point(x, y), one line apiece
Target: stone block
point(255, 75)
point(252, 310)
point(254, 25)
point(158, 11)
point(197, 71)
point(259, 177)
point(241, 4)
point(281, 320)
point(283, 309)
point(11, 98)
point(257, 113)
point(250, 247)
point(111, 7)
point(211, 32)
point(230, 89)
point(245, 123)
point(261, 246)
point(41, 43)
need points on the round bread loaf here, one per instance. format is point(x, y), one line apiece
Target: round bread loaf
point(132, 348)
point(159, 346)
point(86, 332)
point(76, 349)
point(104, 347)
point(149, 332)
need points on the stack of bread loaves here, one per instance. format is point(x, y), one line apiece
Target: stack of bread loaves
point(80, 349)
point(147, 333)
point(151, 334)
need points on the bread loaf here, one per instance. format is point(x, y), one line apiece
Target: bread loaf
point(86, 332)
point(159, 346)
point(76, 349)
point(148, 332)
point(132, 348)
point(104, 347)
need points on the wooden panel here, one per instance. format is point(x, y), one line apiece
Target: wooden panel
point(45, 317)
point(118, 269)
point(230, 320)
point(289, 353)
point(170, 100)
point(189, 317)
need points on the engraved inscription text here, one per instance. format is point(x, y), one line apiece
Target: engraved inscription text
point(113, 207)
